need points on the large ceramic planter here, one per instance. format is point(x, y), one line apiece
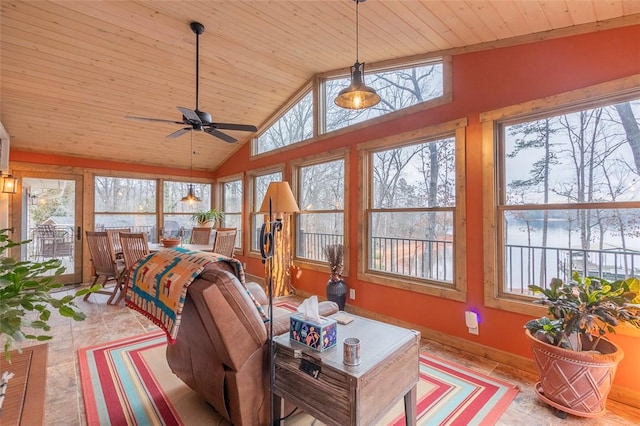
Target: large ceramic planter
point(575, 382)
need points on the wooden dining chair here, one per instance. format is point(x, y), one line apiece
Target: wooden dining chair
point(225, 241)
point(200, 235)
point(104, 264)
point(114, 236)
point(134, 248)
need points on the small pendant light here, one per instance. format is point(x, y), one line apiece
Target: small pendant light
point(191, 195)
point(357, 95)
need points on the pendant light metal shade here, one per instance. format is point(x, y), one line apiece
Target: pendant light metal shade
point(191, 196)
point(357, 95)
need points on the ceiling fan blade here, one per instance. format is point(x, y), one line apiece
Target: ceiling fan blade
point(218, 134)
point(190, 114)
point(231, 126)
point(179, 132)
point(159, 120)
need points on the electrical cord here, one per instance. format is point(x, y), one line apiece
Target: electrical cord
point(287, 416)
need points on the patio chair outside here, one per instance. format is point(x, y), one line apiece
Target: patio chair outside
point(225, 241)
point(200, 235)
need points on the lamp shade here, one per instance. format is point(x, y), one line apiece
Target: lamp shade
point(282, 199)
point(357, 95)
point(191, 196)
point(9, 184)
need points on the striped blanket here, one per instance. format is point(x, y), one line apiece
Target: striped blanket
point(158, 284)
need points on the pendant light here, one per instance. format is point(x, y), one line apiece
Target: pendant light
point(357, 95)
point(191, 196)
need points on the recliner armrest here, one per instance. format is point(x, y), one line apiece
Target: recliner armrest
point(257, 291)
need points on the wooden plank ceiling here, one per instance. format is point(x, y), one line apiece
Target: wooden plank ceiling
point(72, 70)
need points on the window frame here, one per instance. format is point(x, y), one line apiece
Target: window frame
point(221, 202)
point(89, 203)
point(576, 100)
point(297, 165)
point(446, 96)
point(308, 88)
point(457, 290)
point(316, 85)
point(252, 205)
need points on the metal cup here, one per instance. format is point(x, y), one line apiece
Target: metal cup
point(351, 351)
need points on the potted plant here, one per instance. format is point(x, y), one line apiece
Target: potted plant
point(336, 287)
point(207, 217)
point(26, 299)
point(575, 362)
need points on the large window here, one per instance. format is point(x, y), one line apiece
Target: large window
point(232, 207)
point(125, 203)
point(321, 194)
point(402, 86)
point(398, 88)
point(564, 195)
point(260, 185)
point(414, 211)
point(295, 125)
point(177, 213)
point(122, 203)
point(570, 198)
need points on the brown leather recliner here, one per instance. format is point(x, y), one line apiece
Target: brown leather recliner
point(221, 350)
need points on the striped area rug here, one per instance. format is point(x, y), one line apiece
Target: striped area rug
point(129, 382)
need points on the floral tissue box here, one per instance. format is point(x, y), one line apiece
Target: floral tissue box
point(319, 336)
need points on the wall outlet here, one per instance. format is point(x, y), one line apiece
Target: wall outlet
point(471, 320)
point(352, 293)
point(244, 265)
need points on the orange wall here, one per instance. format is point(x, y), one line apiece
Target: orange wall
point(482, 81)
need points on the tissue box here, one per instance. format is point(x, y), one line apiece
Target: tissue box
point(318, 336)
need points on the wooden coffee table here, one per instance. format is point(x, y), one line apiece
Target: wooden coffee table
point(351, 395)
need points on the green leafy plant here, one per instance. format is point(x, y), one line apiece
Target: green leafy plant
point(203, 217)
point(25, 296)
point(585, 308)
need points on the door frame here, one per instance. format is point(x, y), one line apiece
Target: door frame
point(18, 203)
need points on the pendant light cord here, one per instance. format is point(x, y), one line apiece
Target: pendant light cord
point(357, 28)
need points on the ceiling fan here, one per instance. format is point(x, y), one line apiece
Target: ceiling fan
point(196, 119)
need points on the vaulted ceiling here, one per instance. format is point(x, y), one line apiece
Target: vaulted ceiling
point(72, 70)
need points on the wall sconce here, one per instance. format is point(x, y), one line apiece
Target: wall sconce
point(9, 184)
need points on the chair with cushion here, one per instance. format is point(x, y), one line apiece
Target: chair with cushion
point(104, 263)
point(134, 248)
point(200, 235)
point(225, 241)
point(221, 349)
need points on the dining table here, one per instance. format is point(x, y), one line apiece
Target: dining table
point(154, 247)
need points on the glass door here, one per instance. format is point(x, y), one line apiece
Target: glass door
point(50, 216)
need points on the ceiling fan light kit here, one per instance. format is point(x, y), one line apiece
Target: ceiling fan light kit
point(196, 119)
point(357, 95)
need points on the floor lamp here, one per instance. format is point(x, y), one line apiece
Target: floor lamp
point(279, 200)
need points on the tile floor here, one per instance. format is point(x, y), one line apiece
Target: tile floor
point(64, 404)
